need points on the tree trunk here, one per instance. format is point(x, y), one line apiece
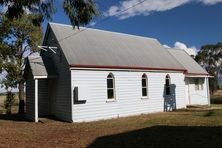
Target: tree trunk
point(21, 98)
point(216, 82)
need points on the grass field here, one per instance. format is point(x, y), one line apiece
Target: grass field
point(2, 98)
point(15, 105)
point(183, 128)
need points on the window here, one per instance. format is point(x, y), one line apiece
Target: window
point(144, 85)
point(167, 84)
point(198, 83)
point(110, 87)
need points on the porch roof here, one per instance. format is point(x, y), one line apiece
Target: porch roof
point(41, 69)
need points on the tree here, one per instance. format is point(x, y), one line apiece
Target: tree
point(210, 57)
point(21, 32)
point(80, 12)
point(19, 37)
point(10, 99)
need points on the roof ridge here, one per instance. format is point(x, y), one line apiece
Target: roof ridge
point(107, 31)
point(173, 48)
point(182, 50)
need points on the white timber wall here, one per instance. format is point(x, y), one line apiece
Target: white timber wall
point(197, 97)
point(30, 97)
point(92, 86)
point(43, 102)
point(60, 91)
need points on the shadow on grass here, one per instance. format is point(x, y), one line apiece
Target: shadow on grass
point(164, 136)
point(13, 117)
point(216, 100)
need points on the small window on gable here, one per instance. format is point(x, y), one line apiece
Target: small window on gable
point(198, 83)
point(167, 84)
point(110, 87)
point(144, 85)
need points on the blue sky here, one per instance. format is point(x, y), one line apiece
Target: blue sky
point(192, 22)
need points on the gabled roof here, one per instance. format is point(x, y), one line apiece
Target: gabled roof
point(97, 48)
point(187, 61)
point(41, 69)
point(92, 48)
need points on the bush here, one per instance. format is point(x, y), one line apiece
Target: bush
point(10, 99)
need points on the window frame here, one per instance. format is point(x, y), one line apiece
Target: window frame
point(199, 84)
point(144, 77)
point(167, 87)
point(110, 76)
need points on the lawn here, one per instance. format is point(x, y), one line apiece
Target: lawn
point(182, 128)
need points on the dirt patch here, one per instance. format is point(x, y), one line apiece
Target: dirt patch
point(183, 128)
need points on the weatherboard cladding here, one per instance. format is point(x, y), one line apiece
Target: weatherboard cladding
point(92, 88)
point(30, 96)
point(60, 88)
point(198, 97)
point(96, 47)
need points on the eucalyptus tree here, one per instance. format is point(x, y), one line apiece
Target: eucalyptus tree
point(21, 31)
point(19, 37)
point(210, 57)
point(80, 12)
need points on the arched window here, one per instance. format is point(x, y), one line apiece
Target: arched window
point(167, 84)
point(144, 85)
point(110, 86)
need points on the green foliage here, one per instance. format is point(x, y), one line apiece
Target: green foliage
point(16, 8)
point(9, 101)
point(80, 12)
point(210, 57)
point(17, 37)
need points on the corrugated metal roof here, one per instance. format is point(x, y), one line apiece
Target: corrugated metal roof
point(103, 48)
point(92, 47)
point(40, 68)
point(187, 61)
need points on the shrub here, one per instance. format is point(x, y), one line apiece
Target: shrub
point(9, 102)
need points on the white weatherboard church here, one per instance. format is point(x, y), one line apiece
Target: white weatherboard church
point(95, 74)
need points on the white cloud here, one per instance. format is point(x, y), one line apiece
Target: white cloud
point(210, 2)
point(166, 46)
point(92, 24)
point(189, 50)
point(146, 7)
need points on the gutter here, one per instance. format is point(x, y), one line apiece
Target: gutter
point(125, 67)
point(198, 75)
